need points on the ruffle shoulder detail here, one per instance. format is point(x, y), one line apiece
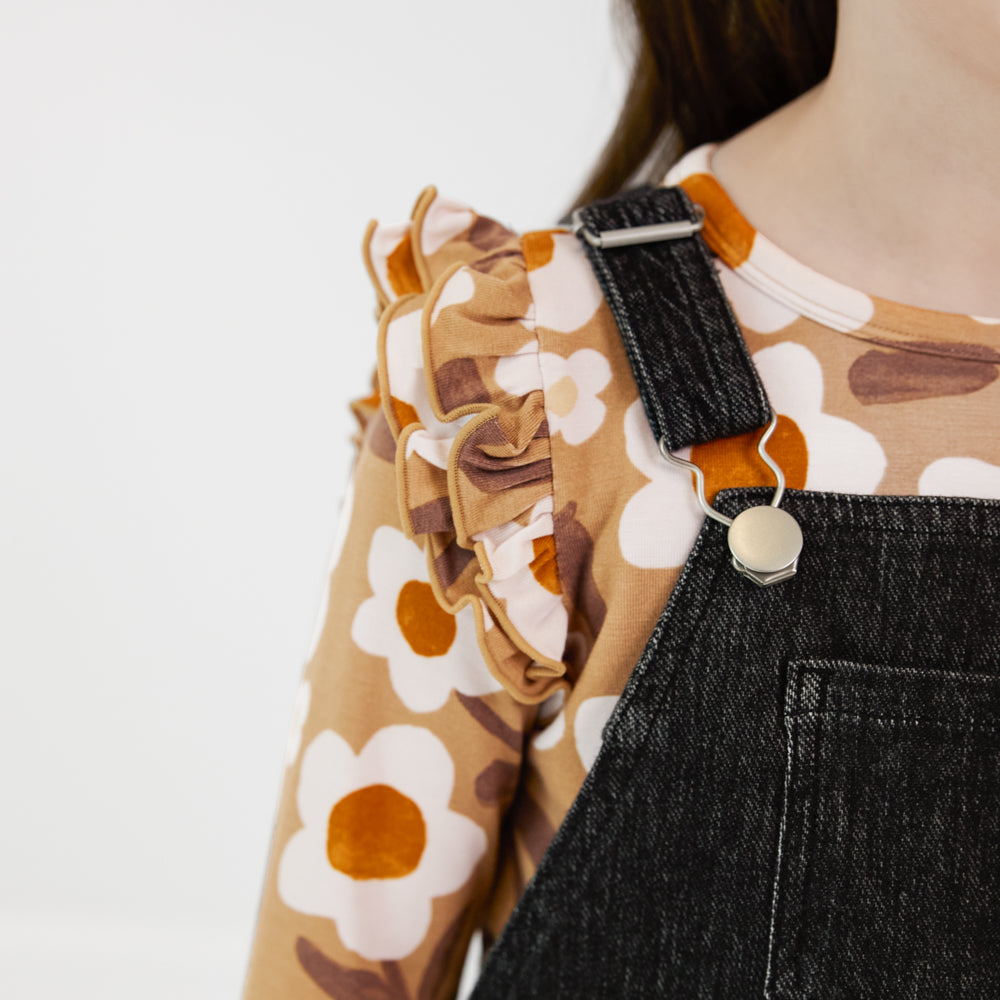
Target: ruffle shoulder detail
point(461, 388)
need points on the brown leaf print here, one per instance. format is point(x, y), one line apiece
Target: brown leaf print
point(379, 438)
point(575, 554)
point(493, 463)
point(496, 783)
point(394, 978)
point(435, 515)
point(490, 721)
point(533, 827)
point(349, 984)
point(442, 954)
point(490, 261)
point(458, 383)
point(451, 562)
point(487, 234)
point(902, 376)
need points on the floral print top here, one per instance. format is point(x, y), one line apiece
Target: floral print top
point(512, 534)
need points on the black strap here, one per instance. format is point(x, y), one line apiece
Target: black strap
point(690, 360)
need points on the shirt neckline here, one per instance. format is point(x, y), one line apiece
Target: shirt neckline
point(814, 295)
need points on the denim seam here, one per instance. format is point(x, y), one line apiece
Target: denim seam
point(884, 671)
point(769, 985)
point(798, 772)
point(903, 720)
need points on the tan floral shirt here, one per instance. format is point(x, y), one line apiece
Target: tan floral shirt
point(509, 539)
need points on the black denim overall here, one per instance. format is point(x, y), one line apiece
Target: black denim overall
point(798, 795)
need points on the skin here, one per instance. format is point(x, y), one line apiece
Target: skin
point(894, 158)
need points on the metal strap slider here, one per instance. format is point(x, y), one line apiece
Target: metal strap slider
point(656, 233)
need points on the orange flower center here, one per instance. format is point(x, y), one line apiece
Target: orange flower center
point(375, 832)
point(543, 566)
point(732, 462)
point(401, 268)
point(425, 625)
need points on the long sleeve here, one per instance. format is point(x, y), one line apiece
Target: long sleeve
point(387, 829)
point(514, 536)
point(415, 704)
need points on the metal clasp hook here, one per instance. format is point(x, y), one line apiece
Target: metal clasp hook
point(765, 541)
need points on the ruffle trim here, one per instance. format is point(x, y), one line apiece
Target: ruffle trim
point(473, 462)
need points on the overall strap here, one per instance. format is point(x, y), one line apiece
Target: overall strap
point(687, 352)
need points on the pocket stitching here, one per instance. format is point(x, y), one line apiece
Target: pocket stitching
point(973, 725)
point(795, 777)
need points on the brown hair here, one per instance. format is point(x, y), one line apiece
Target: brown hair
point(704, 70)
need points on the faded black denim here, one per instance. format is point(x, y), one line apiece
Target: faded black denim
point(692, 366)
point(798, 795)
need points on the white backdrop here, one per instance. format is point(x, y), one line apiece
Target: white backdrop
point(183, 316)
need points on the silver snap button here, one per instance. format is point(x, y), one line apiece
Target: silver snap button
point(765, 543)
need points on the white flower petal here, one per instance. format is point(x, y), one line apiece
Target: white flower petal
point(411, 758)
point(306, 880)
point(551, 734)
point(459, 288)
point(454, 846)
point(661, 521)
point(843, 457)
point(518, 373)
point(445, 219)
point(588, 726)
point(755, 309)
point(422, 682)
point(379, 918)
point(960, 477)
point(384, 920)
point(565, 290)
point(642, 448)
point(385, 240)
point(327, 770)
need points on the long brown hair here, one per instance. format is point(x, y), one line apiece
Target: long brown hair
point(704, 70)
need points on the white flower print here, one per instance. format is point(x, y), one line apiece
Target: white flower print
point(661, 521)
point(459, 288)
point(565, 290)
point(571, 388)
point(404, 358)
point(522, 561)
point(445, 219)
point(430, 651)
point(841, 455)
point(958, 476)
point(378, 840)
point(551, 721)
point(755, 309)
point(588, 726)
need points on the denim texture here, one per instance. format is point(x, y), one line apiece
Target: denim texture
point(677, 327)
point(798, 794)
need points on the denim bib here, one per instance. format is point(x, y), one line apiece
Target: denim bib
point(798, 794)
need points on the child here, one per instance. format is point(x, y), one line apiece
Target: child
point(515, 533)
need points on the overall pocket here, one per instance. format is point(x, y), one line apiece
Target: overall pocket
point(888, 871)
